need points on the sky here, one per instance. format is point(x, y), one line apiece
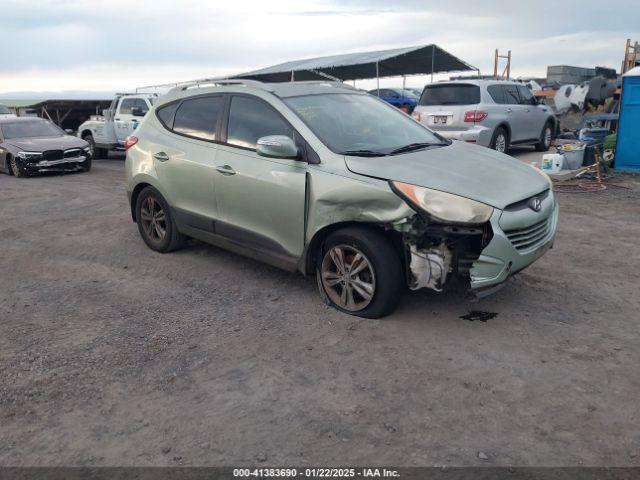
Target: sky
point(117, 45)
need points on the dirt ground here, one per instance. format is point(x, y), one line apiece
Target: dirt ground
point(111, 354)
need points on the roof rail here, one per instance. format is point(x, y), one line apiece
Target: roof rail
point(204, 82)
point(332, 83)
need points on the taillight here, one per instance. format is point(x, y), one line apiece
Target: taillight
point(130, 142)
point(416, 115)
point(475, 116)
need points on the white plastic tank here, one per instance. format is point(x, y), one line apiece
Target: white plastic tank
point(552, 162)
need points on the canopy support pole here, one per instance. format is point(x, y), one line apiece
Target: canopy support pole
point(404, 81)
point(433, 60)
point(378, 79)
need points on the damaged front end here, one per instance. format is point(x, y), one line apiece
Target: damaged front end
point(440, 255)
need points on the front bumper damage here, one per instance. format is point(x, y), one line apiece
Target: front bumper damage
point(61, 165)
point(483, 257)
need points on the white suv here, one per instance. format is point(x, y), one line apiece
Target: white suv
point(491, 113)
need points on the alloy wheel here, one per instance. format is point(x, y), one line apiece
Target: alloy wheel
point(501, 143)
point(153, 219)
point(13, 163)
point(348, 278)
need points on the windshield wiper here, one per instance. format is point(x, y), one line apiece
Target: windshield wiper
point(415, 146)
point(364, 153)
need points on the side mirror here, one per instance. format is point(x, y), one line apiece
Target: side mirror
point(138, 112)
point(277, 146)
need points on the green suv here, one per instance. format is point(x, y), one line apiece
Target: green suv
point(333, 182)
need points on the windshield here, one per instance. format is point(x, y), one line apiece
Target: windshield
point(355, 124)
point(4, 110)
point(31, 128)
point(450, 94)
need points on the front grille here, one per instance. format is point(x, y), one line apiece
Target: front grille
point(528, 237)
point(73, 153)
point(522, 204)
point(52, 155)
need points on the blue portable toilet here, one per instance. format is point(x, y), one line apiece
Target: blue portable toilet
point(628, 142)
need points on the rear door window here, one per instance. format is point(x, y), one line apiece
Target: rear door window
point(497, 93)
point(458, 94)
point(198, 117)
point(511, 95)
point(250, 119)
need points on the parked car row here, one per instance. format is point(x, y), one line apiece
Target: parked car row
point(333, 182)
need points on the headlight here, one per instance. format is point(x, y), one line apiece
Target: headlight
point(443, 206)
point(30, 155)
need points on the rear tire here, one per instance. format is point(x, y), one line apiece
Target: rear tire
point(370, 281)
point(155, 222)
point(545, 138)
point(16, 169)
point(500, 140)
point(96, 152)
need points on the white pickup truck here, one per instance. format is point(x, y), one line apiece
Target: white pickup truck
point(5, 112)
point(110, 130)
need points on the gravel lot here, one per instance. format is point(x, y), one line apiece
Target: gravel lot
point(111, 354)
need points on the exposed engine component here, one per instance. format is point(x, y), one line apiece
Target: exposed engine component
point(436, 252)
point(429, 268)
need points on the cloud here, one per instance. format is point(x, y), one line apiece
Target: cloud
point(118, 44)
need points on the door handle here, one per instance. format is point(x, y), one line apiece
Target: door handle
point(509, 110)
point(225, 170)
point(161, 157)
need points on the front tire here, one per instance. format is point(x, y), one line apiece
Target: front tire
point(359, 272)
point(155, 222)
point(95, 151)
point(545, 138)
point(17, 170)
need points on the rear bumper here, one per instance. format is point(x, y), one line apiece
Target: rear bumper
point(477, 134)
point(500, 259)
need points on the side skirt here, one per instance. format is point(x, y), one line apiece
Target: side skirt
point(207, 232)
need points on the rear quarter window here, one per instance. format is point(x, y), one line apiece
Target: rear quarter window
point(166, 113)
point(462, 94)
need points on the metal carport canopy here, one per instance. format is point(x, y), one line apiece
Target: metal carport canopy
point(422, 60)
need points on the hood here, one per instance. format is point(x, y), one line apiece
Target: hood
point(469, 171)
point(41, 144)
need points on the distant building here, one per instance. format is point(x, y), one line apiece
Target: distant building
point(568, 75)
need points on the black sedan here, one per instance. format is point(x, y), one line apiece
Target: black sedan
point(31, 145)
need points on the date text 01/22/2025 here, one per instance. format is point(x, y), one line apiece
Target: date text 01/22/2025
point(314, 473)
